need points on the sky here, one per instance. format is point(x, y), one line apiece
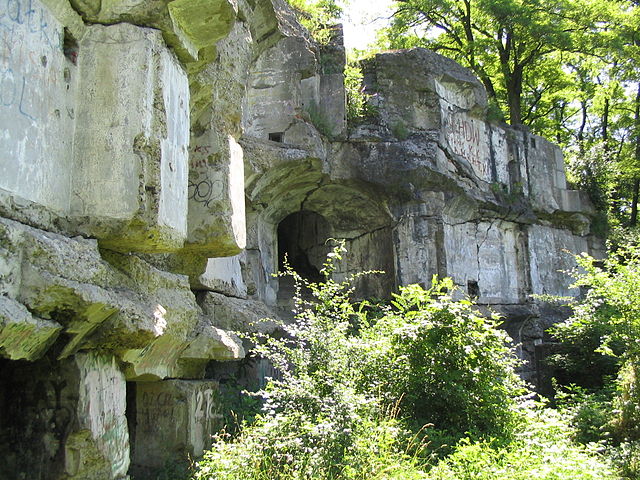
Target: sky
point(361, 20)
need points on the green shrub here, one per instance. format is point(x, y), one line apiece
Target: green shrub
point(589, 413)
point(355, 393)
point(358, 105)
point(600, 350)
point(626, 457)
point(542, 449)
point(313, 416)
point(447, 364)
point(317, 16)
point(627, 402)
point(612, 299)
point(578, 359)
point(602, 333)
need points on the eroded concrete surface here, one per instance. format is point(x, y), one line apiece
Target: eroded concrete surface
point(160, 158)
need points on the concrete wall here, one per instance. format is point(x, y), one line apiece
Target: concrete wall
point(141, 195)
point(175, 417)
point(101, 414)
point(131, 160)
point(484, 254)
point(38, 88)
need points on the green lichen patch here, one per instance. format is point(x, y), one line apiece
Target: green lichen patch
point(201, 23)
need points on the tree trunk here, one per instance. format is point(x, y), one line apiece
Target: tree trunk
point(605, 127)
point(633, 220)
point(583, 124)
point(514, 97)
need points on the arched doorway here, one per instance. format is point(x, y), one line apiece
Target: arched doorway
point(302, 238)
point(302, 241)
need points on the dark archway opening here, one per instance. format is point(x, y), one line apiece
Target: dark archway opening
point(302, 241)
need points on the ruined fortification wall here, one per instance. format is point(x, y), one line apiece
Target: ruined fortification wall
point(160, 158)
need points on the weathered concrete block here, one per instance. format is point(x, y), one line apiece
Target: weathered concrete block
point(572, 201)
point(64, 419)
point(421, 90)
point(418, 243)
point(237, 315)
point(37, 102)
point(213, 343)
point(274, 98)
point(217, 91)
point(482, 259)
point(463, 134)
point(216, 224)
point(131, 159)
point(102, 424)
point(175, 417)
point(551, 253)
point(188, 25)
point(124, 304)
point(201, 23)
point(224, 275)
point(546, 176)
point(366, 252)
point(333, 108)
point(23, 336)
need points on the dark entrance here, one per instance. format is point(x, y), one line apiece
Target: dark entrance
point(302, 238)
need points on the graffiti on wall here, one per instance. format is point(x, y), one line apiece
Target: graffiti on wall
point(29, 38)
point(465, 135)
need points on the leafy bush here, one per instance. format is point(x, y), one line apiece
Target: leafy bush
point(354, 391)
point(317, 16)
point(449, 365)
point(600, 349)
point(627, 402)
point(612, 302)
point(626, 457)
point(578, 358)
point(358, 105)
point(313, 416)
point(589, 413)
point(542, 449)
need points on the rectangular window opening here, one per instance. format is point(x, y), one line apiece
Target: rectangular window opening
point(473, 290)
point(277, 137)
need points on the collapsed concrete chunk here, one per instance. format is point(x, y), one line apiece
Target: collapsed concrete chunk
point(120, 305)
point(176, 417)
point(81, 308)
point(189, 26)
point(224, 275)
point(156, 361)
point(237, 315)
point(201, 23)
point(23, 336)
point(213, 343)
point(131, 159)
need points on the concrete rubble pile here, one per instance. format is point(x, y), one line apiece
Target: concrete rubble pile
point(159, 160)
